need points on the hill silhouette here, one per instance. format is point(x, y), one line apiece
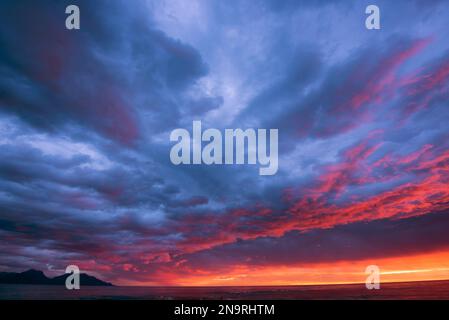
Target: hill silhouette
point(38, 277)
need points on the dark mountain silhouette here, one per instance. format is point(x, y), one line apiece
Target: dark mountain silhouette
point(38, 277)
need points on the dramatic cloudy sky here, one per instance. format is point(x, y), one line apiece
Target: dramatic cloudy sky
point(85, 119)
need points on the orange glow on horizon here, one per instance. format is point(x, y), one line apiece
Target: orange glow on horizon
point(421, 267)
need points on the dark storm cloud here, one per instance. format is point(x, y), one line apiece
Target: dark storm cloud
point(52, 76)
point(307, 106)
point(356, 241)
point(85, 175)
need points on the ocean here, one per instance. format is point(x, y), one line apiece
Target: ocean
point(388, 291)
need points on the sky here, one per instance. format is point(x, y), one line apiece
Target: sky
point(86, 115)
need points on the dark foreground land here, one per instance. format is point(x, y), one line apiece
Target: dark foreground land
point(37, 277)
point(403, 290)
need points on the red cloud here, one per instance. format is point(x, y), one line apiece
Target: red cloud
point(312, 207)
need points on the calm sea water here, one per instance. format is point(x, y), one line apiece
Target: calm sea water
point(407, 290)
